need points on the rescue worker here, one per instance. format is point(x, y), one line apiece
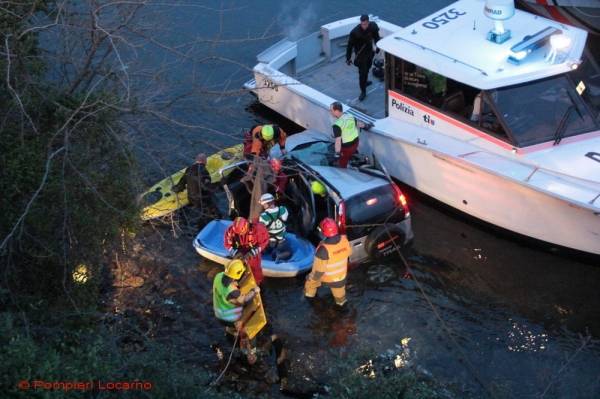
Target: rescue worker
point(274, 218)
point(330, 264)
point(280, 179)
point(198, 183)
point(262, 138)
point(345, 132)
point(247, 240)
point(320, 199)
point(362, 41)
point(228, 303)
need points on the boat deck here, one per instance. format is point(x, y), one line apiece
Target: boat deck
point(340, 81)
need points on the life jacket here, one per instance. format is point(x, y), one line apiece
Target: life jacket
point(275, 222)
point(224, 310)
point(336, 266)
point(347, 124)
point(257, 236)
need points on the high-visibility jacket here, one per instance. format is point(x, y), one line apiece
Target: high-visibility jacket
point(224, 310)
point(256, 237)
point(347, 123)
point(254, 143)
point(335, 265)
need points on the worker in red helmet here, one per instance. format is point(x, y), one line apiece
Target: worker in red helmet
point(247, 240)
point(280, 179)
point(330, 265)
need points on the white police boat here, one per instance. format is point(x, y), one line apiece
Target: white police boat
point(491, 110)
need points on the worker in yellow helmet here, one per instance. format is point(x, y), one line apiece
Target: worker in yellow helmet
point(262, 138)
point(228, 302)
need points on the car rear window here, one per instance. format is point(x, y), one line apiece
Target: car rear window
point(314, 153)
point(374, 206)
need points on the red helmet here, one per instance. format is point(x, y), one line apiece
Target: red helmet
point(275, 165)
point(240, 225)
point(328, 227)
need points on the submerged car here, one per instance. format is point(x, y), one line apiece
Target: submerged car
point(368, 207)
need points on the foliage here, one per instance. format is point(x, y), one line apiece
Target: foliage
point(380, 379)
point(92, 354)
point(67, 171)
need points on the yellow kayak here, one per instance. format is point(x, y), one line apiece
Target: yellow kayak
point(253, 316)
point(160, 200)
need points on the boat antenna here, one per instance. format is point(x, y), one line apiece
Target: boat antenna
point(499, 11)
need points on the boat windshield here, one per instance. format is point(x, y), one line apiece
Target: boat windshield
point(539, 111)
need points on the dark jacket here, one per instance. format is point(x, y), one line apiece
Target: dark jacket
point(197, 181)
point(361, 42)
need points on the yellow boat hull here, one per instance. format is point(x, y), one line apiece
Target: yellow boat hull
point(160, 200)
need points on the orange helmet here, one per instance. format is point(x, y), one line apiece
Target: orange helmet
point(241, 225)
point(328, 227)
point(276, 165)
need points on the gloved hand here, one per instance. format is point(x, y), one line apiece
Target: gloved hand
point(233, 252)
point(348, 62)
point(336, 159)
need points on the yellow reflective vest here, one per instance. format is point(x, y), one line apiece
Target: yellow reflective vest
point(347, 123)
point(336, 266)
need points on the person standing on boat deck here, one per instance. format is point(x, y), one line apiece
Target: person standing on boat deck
point(330, 265)
point(345, 132)
point(362, 41)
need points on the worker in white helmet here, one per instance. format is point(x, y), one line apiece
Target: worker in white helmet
point(274, 217)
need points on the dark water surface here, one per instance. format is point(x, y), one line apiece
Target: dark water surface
point(493, 308)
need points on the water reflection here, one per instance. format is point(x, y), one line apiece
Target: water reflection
point(521, 339)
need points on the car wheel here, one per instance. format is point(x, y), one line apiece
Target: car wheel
point(383, 241)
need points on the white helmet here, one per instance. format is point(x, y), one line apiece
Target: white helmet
point(266, 198)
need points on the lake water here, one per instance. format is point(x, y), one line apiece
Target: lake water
point(483, 309)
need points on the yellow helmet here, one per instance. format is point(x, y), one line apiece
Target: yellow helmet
point(267, 132)
point(235, 269)
point(318, 188)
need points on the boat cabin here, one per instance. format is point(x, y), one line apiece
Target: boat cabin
point(453, 73)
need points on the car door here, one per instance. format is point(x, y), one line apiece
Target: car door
point(301, 203)
point(238, 195)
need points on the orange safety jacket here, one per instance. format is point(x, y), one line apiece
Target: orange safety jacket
point(260, 147)
point(331, 260)
point(256, 237)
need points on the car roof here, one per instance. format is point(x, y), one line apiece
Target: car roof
point(349, 182)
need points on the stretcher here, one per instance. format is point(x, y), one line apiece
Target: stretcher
point(253, 317)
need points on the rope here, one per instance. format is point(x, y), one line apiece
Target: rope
point(216, 381)
point(449, 331)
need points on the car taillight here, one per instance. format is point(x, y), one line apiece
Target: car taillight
point(401, 199)
point(342, 217)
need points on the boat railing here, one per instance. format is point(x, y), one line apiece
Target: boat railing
point(589, 186)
